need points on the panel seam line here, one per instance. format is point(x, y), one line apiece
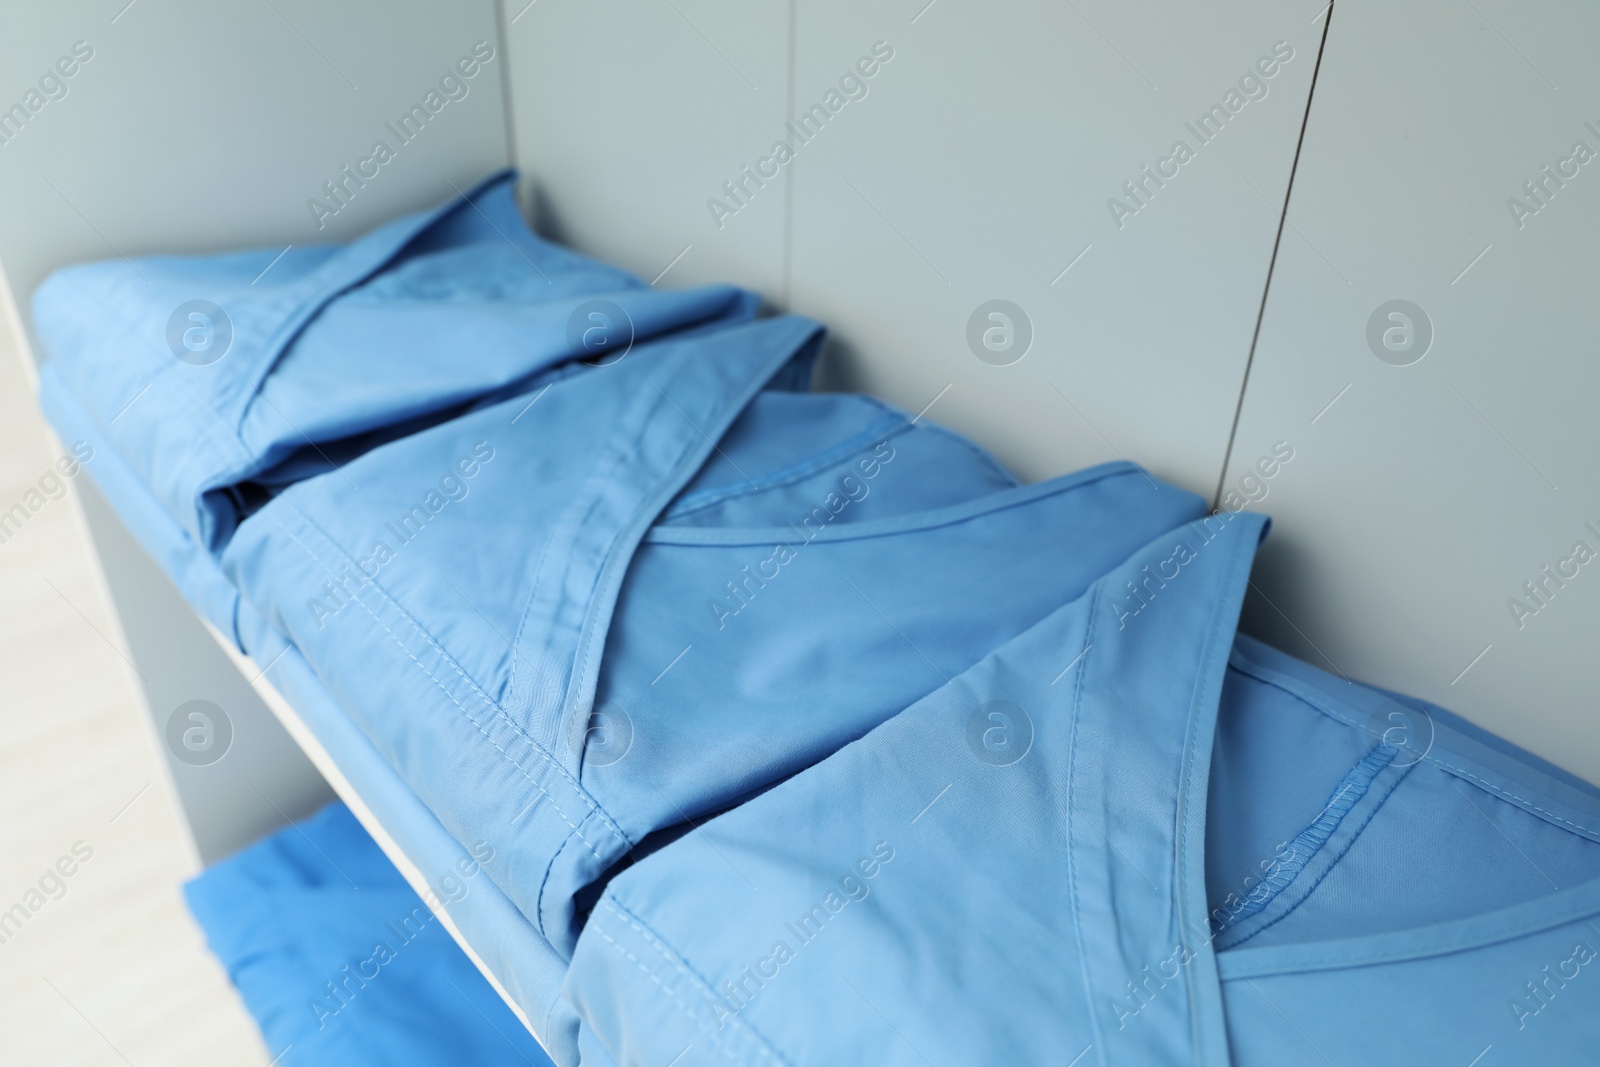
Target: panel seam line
point(1272, 264)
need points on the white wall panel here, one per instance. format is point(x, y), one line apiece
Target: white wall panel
point(975, 164)
point(980, 166)
point(1420, 502)
point(194, 127)
point(629, 115)
point(198, 126)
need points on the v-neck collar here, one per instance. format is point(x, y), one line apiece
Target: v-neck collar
point(1561, 908)
point(1455, 752)
point(1161, 628)
point(1161, 633)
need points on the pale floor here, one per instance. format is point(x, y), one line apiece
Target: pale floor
point(112, 970)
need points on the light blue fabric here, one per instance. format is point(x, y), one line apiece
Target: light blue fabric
point(330, 346)
point(340, 962)
point(685, 646)
point(472, 655)
point(1130, 865)
point(792, 443)
point(1454, 911)
point(510, 945)
point(944, 890)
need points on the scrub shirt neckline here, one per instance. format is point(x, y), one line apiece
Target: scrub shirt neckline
point(1203, 963)
point(1455, 753)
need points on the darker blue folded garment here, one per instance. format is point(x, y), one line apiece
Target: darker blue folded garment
point(340, 961)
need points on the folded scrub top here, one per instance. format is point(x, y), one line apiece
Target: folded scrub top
point(341, 964)
point(221, 378)
point(774, 434)
point(788, 452)
point(1442, 895)
point(1127, 836)
point(456, 589)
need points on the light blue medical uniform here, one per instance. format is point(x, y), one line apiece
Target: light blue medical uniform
point(1183, 847)
point(709, 665)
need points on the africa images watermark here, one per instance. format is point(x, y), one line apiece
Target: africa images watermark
point(50, 886)
point(1258, 888)
point(853, 886)
point(1551, 980)
point(1540, 590)
point(741, 189)
point(199, 733)
point(742, 588)
point(341, 990)
point(51, 485)
point(1539, 190)
point(453, 87)
point(1152, 178)
point(453, 486)
point(1252, 488)
point(52, 86)
point(1141, 991)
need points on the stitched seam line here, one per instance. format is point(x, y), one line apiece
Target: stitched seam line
point(323, 286)
point(537, 750)
point(675, 997)
point(735, 398)
point(549, 871)
point(527, 613)
point(451, 697)
point(586, 630)
point(1197, 1023)
point(795, 472)
point(1308, 843)
point(1470, 942)
point(1072, 780)
point(1529, 805)
point(1312, 700)
point(760, 1043)
point(637, 414)
point(988, 461)
point(1333, 862)
point(918, 522)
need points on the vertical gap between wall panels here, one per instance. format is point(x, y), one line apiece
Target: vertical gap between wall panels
point(503, 29)
point(788, 179)
point(1272, 264)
